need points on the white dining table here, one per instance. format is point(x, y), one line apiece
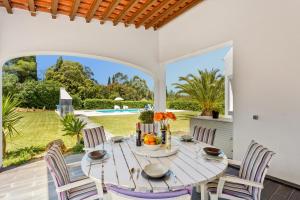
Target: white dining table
point(123, 166)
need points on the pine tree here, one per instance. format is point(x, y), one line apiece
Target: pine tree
point(109, 81)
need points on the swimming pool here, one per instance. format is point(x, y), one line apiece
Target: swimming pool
point(132, 110)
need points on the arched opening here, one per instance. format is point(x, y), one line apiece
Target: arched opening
point(104, 91)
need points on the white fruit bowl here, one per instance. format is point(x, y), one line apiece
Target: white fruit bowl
point(152, 147)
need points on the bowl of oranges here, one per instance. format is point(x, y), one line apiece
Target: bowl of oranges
point(152, 142)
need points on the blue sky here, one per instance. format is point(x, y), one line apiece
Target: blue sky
point(213, 59)
point(103, 69)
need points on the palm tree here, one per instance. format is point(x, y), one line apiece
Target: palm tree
point(207, 88)
point(73, 126)
point(10, 118)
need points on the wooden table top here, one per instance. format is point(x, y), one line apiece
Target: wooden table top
point(187, 168)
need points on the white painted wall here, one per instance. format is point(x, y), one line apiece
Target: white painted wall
point(266, 40)
point(21, 34)
point(266, 37)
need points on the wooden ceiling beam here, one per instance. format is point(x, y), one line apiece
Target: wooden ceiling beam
point(109, 10)
point(8, 7)
point(148, 4)
point(94, 7)
point(31, 7)
point(166, 13)
point(54, 6)
point(177, 13)
point(154, 11)
point(74, 9)
point(124, 11)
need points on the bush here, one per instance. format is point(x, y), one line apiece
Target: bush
point(146, 117)
point(77, 102)
point(78, 148)
point(109, 104)
point(39, 94)
point(184, 105)
point(23, 155)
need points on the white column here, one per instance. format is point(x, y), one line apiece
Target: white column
point(1, 153)
point(160, 89)
point(228, 69)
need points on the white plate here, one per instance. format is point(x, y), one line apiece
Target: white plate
point(155, 170)
point(117, 138)
point(186, 137)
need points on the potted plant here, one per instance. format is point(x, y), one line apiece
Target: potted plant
point(146, 117)
point(147, 123)
point(163, 119)
point(216, 112)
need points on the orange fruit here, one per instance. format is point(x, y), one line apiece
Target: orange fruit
point(152, 143)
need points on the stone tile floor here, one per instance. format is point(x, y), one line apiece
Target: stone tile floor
point(33, 182)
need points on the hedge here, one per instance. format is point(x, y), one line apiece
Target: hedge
point(109, 104)
point(184, 105)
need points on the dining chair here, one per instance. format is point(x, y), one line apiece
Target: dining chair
point(149, 128)
point(116, 193)
point(206, 135)
point(249, 183)
point(92, 137)
point(84, 189)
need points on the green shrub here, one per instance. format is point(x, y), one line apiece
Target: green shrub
point(77, 102)
point(184, 105)
point(146, 117)
point(78, 148)
point(23, 155)
point(109, 104)
point(38, 94)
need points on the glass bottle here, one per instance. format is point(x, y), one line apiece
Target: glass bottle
point(138, 134)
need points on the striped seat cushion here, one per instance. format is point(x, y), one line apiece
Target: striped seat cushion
point(58, 169)
point(93, 137)
point(232, 189)
point(83, 192)
point(205, 135)
point(149, 128)
point(254, 166)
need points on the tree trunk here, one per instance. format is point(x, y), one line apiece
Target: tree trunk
point(3, 144)
point(78, 138)
point(206, 113)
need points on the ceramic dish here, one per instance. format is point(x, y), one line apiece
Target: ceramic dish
point(155, 170)
point(187, 138)
point(96, 155)
point(212, 151)
point(117, 139)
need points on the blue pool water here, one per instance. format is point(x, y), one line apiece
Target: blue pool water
point(133, 110)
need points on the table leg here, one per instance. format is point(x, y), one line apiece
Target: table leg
point(204, 192)
point(99, 189)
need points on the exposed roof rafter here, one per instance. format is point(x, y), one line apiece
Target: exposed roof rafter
point(166, 13)
point(74, 9)
point(124, 11)
point(177, 13)
point(141, 11)
point(8, 7)
point(31, 6)
point(94, 6)
point(153, 12)
point(112, 6)
point(147, 13)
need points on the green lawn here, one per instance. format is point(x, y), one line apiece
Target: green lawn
point(39, 128)
point(125, 124)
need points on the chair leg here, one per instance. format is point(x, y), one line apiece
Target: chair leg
point(204, 192)
point(99, 189)
point(213, 196)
